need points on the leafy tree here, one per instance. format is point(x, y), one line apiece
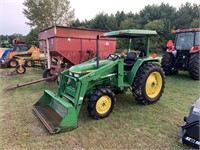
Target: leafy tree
point(5, 41)
point(16, 36)
point(157, 42)
point(186, 14)
point(45, 13)
point(103, 21)
point(79, 24)
point(32, 37)
point(127, 24)
point(163, 12)
point(119, 17)
point(157, 25)
point(195, 23)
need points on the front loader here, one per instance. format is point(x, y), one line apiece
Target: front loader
point(97, 80)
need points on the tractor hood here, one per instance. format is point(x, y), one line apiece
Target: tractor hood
point(87, 66)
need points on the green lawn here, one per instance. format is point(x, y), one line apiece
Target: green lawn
point(129, 126)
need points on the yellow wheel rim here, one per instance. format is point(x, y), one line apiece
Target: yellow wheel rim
point(153, 84)
point(13, 64)
point(20, 69)
point(103, 104)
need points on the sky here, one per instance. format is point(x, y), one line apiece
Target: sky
point(12, 20)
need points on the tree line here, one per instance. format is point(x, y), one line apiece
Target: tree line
point(163, 18)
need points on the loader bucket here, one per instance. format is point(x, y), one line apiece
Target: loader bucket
point(56, 113)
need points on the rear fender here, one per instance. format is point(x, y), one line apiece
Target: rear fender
point(195, 49)
point(138, 63)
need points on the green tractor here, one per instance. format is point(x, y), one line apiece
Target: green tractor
point(97, 80)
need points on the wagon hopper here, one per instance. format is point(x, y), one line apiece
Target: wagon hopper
point(66, 46)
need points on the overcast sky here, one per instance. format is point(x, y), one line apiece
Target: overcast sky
point(12, 20)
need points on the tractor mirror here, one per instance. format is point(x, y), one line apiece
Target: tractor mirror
point(170, 43)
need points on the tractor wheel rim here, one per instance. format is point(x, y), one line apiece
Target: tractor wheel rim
point(20, 69)
point(153, 84)
point(103, 104)
point(13, 63)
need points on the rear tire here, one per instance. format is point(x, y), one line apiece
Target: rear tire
point(167, 64)
point(194, 68)
point(149, 83)
point(28, 63)
point(101, 103)
point(13, 63)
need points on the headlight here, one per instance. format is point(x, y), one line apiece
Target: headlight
point(76, 75)
point(70, 74)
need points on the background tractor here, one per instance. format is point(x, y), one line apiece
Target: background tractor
point(184, 53)
point(97, 81)
point(20, 50)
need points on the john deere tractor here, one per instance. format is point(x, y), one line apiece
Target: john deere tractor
point(184, 54)
point(97, 81)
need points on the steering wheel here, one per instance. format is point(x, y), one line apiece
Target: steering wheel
point(112, 57)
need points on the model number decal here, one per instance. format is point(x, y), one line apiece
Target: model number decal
point(196, 111)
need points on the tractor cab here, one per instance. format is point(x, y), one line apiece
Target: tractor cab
point(21, 48)
point(184, 41)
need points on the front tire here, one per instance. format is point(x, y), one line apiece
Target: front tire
point(194, 68)
point(149, 83)
point(168, 61)
point(101, 103)
point(20, 69)
point(13, 63)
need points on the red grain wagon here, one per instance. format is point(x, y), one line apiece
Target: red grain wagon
point(67, 46)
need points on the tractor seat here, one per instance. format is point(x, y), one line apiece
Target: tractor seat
point(129, 60)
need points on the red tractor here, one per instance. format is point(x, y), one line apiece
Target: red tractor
point(183, 55)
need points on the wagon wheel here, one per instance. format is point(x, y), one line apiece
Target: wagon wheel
point(20, 69)
point(47, 74)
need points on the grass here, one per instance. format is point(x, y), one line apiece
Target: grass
point(130, 125)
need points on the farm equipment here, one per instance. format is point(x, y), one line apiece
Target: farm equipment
point(96, 80)
point(184, 54)
point(189, 134)
point(5, 54)
point(67, 46)
point(20, 50)
point(5, 44)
